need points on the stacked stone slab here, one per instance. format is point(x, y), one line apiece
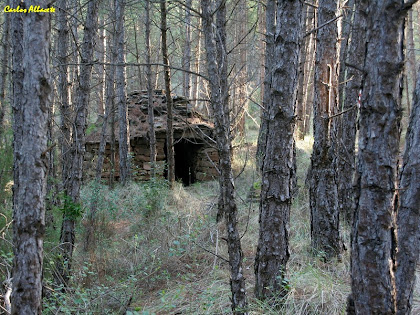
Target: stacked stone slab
point(190, 128)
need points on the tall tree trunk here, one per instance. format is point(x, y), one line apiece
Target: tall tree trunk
point(300, 104)
point(187, 51)
point(63, 91)
point(309, 71)
point(169, 103)
point(354, 62)
point(279, 167)
point(215, 45)
point(110, 98)
point(74, 181)
point(100, 68)
point(67, 119)
point(411, 66)
point(124, 136)
point(196, 79)
point(408, 217)
point(151, 115)
point(325, 237)
point(240, 100)
point(4, 70)
point(31, 41)
point(373, 236)
point(270, 30)
point(109, 107)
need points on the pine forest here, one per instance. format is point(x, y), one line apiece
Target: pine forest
point(210, 157)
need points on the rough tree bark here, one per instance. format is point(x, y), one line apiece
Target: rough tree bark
point(278, 169)
point(110, 101)
point(270, 30)
point(353, 76)
point(124, 135)
point(408, 217)
point(167, 74)
point(309, 71)
point(63, 90)
point(240, 98)
point(150, 114)
point(300, 104)
point(215, 45)
point(100, 69)
point(77, 150)
point(31, 42)
point(373, 235)
point(186, 58)
point(196, 80)
point(3, 75)
point(411, 65)
point(325, 238)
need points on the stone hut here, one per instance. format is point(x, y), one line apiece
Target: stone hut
point(195, 154)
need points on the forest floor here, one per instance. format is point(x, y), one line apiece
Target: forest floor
point(157, 251)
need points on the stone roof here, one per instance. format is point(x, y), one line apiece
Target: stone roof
point(187, 122)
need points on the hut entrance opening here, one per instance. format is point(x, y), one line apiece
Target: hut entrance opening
point(186, 159)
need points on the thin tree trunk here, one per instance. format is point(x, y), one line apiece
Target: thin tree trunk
point(4, 70)
point(217, 70)
point(109, 105)
point(140, 73)
point(240, 100)
point(309, 72)
point(31, 106)
point(279, 165)
point(73, 183)
point(325, 236)
point(110, 101)
point(187, 51)
point(411, 67)
point(100, 69)
point(373, 236)
point(270, 31)
point(151, 115)
point(167, 73)
point(300, 104)
point(408, 217)
point(196, 79)
point(124, 136)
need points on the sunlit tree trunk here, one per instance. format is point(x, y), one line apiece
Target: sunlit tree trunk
point(411, 66)
point(187, 51)
point(325, 237)
point(270, 30)
point(309, 71)
point(100, 69)
point(31, 101)
point(300, 104)
point(353, 63)
point(124, 134)
point(169, 103)
point(279, 167)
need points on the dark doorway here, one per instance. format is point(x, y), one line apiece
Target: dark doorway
point(186, 161)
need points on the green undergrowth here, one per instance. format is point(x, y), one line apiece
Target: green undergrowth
point(160, 251)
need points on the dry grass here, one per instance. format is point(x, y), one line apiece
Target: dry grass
point(163, 263)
